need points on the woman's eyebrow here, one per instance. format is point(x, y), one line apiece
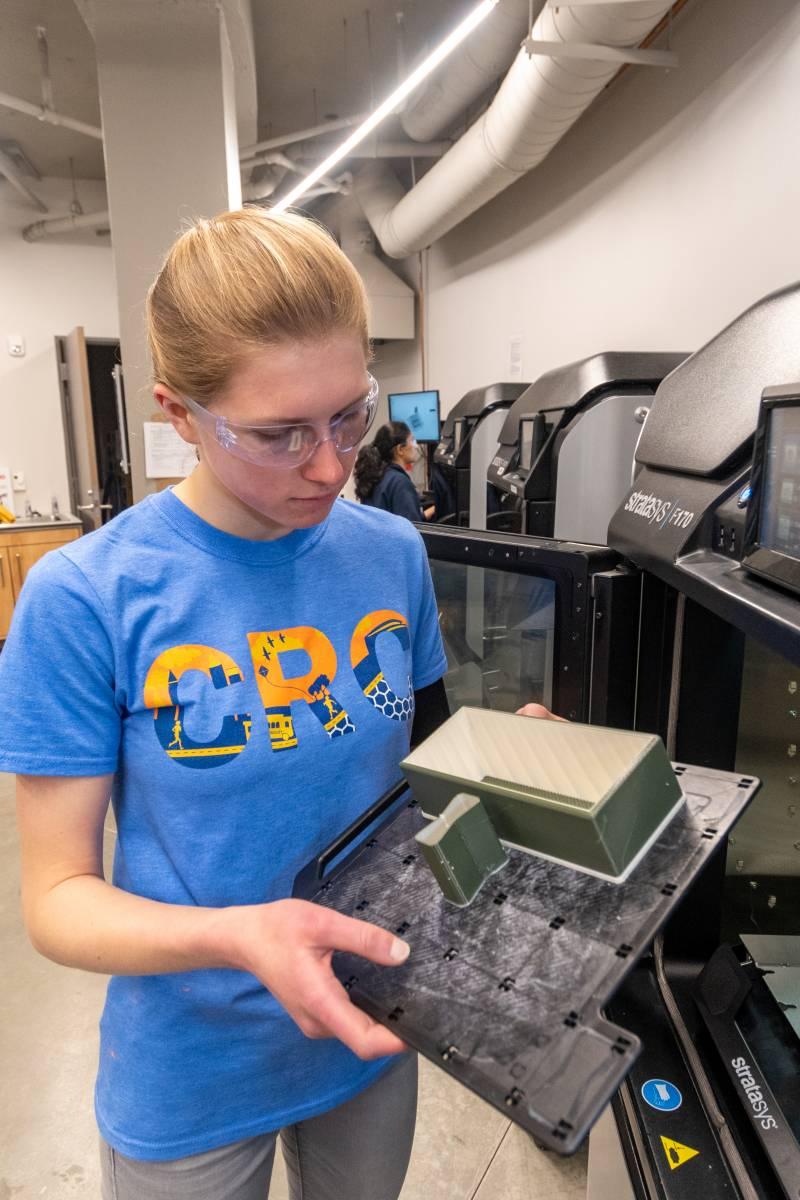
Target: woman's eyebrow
point(360, 398)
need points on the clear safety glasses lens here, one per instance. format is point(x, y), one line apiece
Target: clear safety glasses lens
point(286, 446)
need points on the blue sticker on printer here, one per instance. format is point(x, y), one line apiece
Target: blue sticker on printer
point(662, 1095)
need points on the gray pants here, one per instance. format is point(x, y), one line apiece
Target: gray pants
point(358, 1151)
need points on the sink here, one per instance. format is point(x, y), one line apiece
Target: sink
point(40, 522)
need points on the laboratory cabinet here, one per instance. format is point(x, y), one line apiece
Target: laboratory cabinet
point(20, 548)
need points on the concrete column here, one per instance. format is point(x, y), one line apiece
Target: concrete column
point(167, 94)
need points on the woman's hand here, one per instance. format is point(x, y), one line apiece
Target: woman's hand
point(289, 944)
point(538, 710)
point(74, 917)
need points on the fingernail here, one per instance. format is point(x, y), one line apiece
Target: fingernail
point(399, 951)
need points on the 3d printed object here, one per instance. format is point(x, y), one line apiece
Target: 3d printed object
point(462, 849)
point(588, 797)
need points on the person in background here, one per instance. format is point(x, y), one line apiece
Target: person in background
point(381, 472)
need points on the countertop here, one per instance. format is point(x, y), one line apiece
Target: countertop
point(22, 524)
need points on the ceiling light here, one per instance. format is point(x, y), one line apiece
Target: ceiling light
point(478, 14)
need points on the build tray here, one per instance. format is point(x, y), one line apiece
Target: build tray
point(507, 994)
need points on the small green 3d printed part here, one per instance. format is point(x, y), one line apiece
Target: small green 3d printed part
point(462, 849)
point(589, 797)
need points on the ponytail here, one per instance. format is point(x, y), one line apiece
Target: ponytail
point(373, 460)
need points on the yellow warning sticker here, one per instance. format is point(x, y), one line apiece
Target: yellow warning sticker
point(677, 1154)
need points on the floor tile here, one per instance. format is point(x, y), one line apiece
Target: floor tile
point(521, 1171)
point(279, 1188)
point(48, 1047)
point(456, 1136)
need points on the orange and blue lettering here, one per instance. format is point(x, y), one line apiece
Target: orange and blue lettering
point(161, 695)
point(367, 668)
point(278, 692)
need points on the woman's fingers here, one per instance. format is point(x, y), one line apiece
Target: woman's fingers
point(333, 931)
point(538, 710)
point(335, 1015)
point(302, 939)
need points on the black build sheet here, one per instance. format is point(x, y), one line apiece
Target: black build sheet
point(506, 994)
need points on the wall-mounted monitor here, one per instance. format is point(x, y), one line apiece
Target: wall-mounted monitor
point(419, 411)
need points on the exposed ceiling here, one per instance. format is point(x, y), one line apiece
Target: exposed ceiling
point(313, 57)
point(320, 57)
point(74, 78)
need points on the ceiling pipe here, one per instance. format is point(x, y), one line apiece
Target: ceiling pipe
point(471, 70)
point(247, 156)
point(42, 229)
point(538, 101)
point(44, 67)
point(49, 116)
point(301, 135)
point(265, 188)
point(14, 176)
point(283, 160)
point(392, 149)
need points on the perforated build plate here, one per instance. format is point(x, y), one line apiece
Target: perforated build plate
point(506, 995)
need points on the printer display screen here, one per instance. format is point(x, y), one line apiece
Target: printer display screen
point(525, 444)
point(780, 508)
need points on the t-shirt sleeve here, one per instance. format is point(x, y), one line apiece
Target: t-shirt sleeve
point(57, 678)
point(430, 661)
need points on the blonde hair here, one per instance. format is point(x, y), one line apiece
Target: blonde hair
point(241, 281)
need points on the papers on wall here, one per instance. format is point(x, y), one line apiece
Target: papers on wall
point(166, 455)
point(7, 489)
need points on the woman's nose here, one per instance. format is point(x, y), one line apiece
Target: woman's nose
point(325, 465)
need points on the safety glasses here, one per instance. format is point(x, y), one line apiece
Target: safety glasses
point(287, 446)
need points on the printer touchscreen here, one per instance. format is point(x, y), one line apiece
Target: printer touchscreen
point(780, 508)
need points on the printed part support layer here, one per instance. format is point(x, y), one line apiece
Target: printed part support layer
point(591, 798)
point(462, 849)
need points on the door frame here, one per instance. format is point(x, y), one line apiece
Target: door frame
point(67, 408)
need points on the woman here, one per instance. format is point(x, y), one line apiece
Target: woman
point(208, 658)
point(381, 472)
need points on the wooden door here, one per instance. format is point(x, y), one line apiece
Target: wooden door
point(6, 591)
point(79, 429)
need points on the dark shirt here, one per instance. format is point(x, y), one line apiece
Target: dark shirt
point(395, 493)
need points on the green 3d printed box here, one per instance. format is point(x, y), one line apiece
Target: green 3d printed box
point(591, 798)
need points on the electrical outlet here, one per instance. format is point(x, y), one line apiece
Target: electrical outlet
point(16, 345)
point(18, 479)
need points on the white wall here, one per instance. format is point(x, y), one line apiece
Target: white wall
point(670, 207)
point(46, 289)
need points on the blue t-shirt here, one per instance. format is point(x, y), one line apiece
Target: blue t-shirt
point(252, 698)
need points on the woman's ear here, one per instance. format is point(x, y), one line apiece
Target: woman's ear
point(176, 413)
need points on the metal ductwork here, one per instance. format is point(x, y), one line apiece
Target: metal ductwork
point(539, 100)
point(474, 67)
point(391, 301)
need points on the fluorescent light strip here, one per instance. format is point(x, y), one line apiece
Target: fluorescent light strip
point(416, 77)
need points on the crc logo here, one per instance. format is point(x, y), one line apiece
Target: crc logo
point(658, 512)
point(281, 683)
